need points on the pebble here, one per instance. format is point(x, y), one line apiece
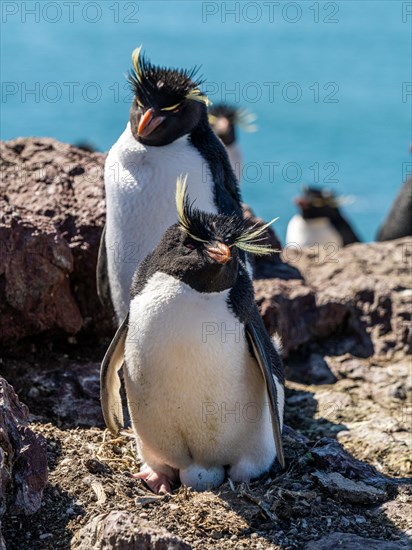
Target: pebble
point(233, 537)
point(144, 515)
point(360, 519)
point(254, 536)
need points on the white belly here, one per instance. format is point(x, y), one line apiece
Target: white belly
point(140, 186)
point(307, 233)
point(194, 392)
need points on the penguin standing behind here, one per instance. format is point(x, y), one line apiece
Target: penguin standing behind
point(320, 221)
point(168, 134)
point(398, 222)
point(204, 382)
point(224, 120)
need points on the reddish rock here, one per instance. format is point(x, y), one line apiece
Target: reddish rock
point(60, 188)
point(23, 457)
point(360, 304)
point(35, 265)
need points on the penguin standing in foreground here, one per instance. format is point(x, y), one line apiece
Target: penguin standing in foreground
point(204, 382)
point(398, 222)
point(168, 134)
point(224, 120)
point(320, 221)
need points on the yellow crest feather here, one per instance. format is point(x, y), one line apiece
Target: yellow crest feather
point(249, 240)
point(181, 189)
point(196, 95)
point(135, 61)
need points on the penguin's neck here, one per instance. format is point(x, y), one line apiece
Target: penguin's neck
point(211, 148)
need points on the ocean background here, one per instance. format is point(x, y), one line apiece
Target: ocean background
point(328, 82)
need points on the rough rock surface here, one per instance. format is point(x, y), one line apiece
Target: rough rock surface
point(23, 458)
point(35, 265)
point(56, 213)
point(360, 301)
point(348, 490)
point(119, 530)
point(349, 541)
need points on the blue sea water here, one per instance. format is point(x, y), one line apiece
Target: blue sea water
point(330, 83)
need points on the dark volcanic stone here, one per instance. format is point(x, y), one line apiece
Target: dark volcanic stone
point(23, 457)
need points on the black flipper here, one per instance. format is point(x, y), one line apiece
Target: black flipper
point(265, 364)
point(111, 401)
point(102, 277)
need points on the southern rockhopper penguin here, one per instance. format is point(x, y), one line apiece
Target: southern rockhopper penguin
point(320, 221)
point(225, 120)
point(398, 222)
point(204, 382)
point(168, 134)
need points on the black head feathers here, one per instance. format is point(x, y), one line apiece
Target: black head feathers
point(209, 228)
point(162, 87)
point(318, 198)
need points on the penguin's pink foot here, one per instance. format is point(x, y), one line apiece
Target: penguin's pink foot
point(158, 483)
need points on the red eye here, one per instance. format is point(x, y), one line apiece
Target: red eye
point(189, 246)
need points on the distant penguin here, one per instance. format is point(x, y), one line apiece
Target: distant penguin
point(320, 220)
point(204, 382)
point(225, 120)
point(398, 222)
point(168, 134)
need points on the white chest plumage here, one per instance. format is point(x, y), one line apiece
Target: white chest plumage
point(307, 233)
point(195, 393)
point(140, 186)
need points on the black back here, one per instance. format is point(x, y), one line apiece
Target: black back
point(398, 222)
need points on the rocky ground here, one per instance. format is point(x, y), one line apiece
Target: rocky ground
point(324, 489)
point(346, 331)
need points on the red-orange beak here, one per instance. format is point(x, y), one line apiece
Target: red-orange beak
point(148, 123)
point(220, 253)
